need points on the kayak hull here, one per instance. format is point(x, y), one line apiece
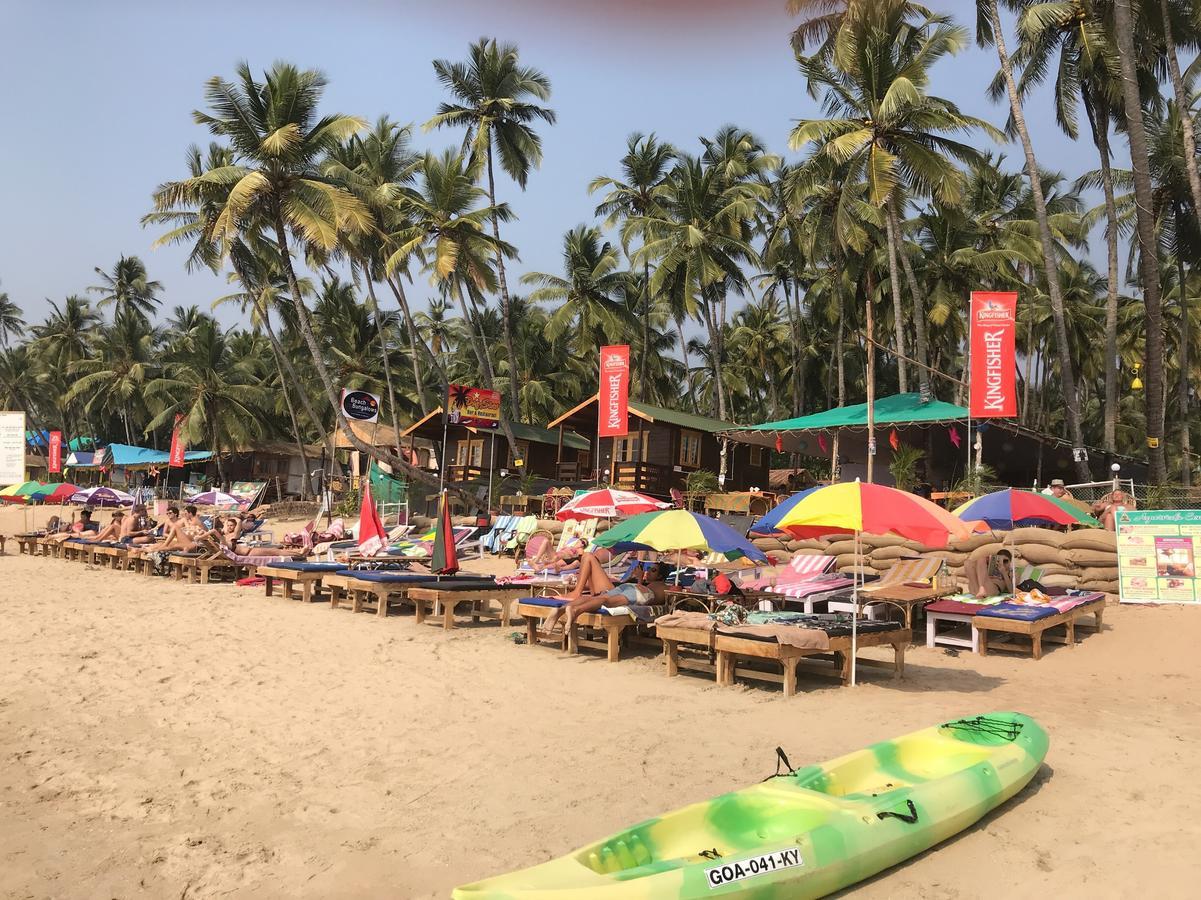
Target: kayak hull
point(805, 834)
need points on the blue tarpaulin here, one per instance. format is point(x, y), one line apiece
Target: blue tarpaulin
point(127, 457)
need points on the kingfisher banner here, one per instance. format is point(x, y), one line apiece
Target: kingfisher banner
point(176, 459)
point(614, 391)
point(992, 379)
point(55, 455)
point(474, 407)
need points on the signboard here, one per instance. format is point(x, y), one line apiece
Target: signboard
point(1158, 553)
point(360, 406)
point(176, 457)
point(12, 448)
point(993, 376)
point(54, 458)
point(473, 407)
point(613, 414)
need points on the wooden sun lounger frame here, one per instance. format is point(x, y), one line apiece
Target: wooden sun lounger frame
point(423, 596)
point(571, 639)
point(728, 649)
point(199, 569)
point(1037, 630)
point(289, 580)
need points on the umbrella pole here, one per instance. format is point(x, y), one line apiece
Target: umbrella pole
point(855, 609)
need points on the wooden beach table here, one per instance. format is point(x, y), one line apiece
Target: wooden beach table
point(199, 569)
point(382, 595)
point(729, 649)
point(1038, 629)
point(289, 581)
point(905, 597)
point(26, 543)
point(480, 599)
point(578, 635)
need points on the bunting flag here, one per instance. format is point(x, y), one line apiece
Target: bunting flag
point(894, 440)
point(445, 558)
point(953, 434)
point(371, 530)
point(779, 444)
point(821, 442)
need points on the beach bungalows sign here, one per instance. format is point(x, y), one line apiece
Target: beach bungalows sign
point(613, 414)
point(993, 373)
point(12, 448)
point(473, 407)
point(360, 406)
point(1158, 551)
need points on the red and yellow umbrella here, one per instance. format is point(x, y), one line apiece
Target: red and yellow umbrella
point(852, 506)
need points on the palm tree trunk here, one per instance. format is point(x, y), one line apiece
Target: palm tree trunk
point(715, 356)
point(331, 394)
point(294, 380)
point(793, 327)
point(920, 348)
point(383, 346)
point(684, 356)
point(646, 327)
point(416, 339)
point(1046, 239)
point(870, 349)
point(506, 326)
point(305, 486)
point(1099, 121)
point(1023, 418)
point(1186, 466)
point(1144, 205)
point(898, 315)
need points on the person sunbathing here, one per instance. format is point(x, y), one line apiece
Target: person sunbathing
point(77, 529)
point(110, 532)
point(1106, 508)
point(568, 557)
point(595, 589)
point(174, 536)
point(137, 527)
point(990, 574)
point(227, 537)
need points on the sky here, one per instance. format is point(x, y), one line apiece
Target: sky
point(97, 102)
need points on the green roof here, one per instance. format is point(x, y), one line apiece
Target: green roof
point(684, 420)
point(899, 409)
point(538, 435)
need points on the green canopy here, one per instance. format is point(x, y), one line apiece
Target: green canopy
point(385, 488)
point(899, 409)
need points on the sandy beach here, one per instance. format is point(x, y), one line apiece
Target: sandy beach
point(169, 740)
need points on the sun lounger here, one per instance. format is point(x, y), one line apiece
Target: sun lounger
point(386, 589)
point(26, 543)
point(1035, 622)
point(536, 610)
point(290, 576)
point(800, 569)
point(491, 541)
point(735, 648)
point(444, 598)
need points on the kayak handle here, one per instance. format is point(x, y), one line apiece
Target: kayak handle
point(910, 819)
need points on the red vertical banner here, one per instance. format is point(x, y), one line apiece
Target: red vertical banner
point(993, 376)
point(177, 446)
point(613, 416)
point(55, 460)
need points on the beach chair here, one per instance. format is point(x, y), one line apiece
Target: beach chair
point(799, 569)
point(526, 526)
point(907, 585)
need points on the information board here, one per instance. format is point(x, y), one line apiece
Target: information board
point(1158, 552)
point(12, 448)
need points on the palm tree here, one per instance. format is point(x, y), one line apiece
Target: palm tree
point(113, 378)
point(591, 312)
point(989, 31)
point(128, 288)
point(494, 99)
point(11, 323)
point(644, 168)
point(67, 335)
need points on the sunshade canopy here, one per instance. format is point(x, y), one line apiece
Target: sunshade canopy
point(1014, 508)
point(679, 529)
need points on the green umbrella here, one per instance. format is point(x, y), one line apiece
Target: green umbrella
point(19, 493)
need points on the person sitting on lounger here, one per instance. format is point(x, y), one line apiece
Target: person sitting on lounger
point(174, 537)
point(228, 534)
point(595, 589)
point(568, 557)
point(990, 574)
point(137, 527)
point(111, 531)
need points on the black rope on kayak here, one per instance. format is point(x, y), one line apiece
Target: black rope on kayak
point(710, 854)
point(781, 760)
point(1002, 728)
point(910, 819)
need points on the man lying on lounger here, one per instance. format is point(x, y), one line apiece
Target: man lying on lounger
point(595, 589)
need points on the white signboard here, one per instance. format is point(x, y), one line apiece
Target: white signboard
point(12, 448)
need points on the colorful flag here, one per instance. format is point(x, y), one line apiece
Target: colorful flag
point(894, 440)
point(55, 460)
point(993, 376)
point(953, 434)
point(371, 530)
point(613, 415)
point(779, 444)
point(176, 459)
point(821, 442)
point(445, 559)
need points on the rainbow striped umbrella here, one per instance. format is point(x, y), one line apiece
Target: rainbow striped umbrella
point(1014, 508)
point(19, 493)
point(55, 493)
point(679, 530)
point(852, 506)
point(770, 523)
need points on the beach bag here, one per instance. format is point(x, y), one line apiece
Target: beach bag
point(729, 613)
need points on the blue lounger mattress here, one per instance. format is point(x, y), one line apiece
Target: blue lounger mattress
point(446, 582)
point(1017, 611)
point(309, 566)
point(553, 603)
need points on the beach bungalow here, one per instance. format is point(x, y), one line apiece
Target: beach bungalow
point(662, 448)
point(278, 463)
point(472, 452)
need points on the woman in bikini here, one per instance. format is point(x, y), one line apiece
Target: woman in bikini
point(110, 532)
point(595, 589)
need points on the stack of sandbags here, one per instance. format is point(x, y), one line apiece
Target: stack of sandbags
point(1094, 553)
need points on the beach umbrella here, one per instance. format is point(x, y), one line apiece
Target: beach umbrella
point(770, 523)
point(102, 496)
point(19, 493)
point(1015, 508)
point(215, 498)
point(679, 530)
point(371, 530)
point(55, 493)
point(608, 503)
point(445, 558)
point(853, 508)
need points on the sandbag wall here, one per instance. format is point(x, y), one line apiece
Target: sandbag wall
point(1085, 559)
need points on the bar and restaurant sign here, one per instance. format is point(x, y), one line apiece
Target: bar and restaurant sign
point(54, 456)
point(473, 407)
point(993, 376)
point(1158, 550)
point(12, 448)
point(614, 408)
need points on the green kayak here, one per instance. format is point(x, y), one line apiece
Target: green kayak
point(806, 833)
